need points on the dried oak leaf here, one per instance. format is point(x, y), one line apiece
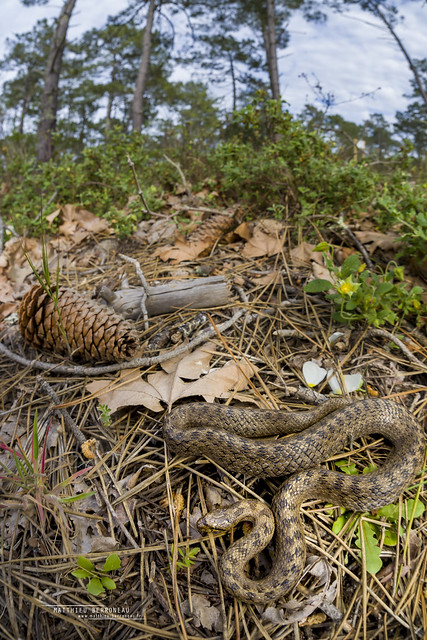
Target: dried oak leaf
point(204, 614)
point(377, 240)
point(266, 238)
point(169, 385)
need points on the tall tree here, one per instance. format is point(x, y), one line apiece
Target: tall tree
point(141, 80)
point(263, 23)
point(49, 104)
point(269, 33)
point(412, 122)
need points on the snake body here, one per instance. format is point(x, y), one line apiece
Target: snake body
point(226, 435)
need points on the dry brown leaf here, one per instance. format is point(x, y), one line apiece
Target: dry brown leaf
point(320, 271)
point(7, 309)
point(243, 230)
point(15, 265)
point(181, 251)
point(6, 290)
point(52, 216)
point(169, 385)
point(377, 240)
point(78, 223)
point(150, 231)
point(303, 254)
point(127, 390)
point(268, 278)
point(204, 614)
point(262, 244)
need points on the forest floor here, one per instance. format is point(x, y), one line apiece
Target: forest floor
point(146, 500)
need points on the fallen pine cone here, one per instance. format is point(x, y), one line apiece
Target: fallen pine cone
point(78, 327)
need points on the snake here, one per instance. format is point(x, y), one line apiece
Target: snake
point(239, 439)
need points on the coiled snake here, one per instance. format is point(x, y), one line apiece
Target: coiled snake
point(225, 434)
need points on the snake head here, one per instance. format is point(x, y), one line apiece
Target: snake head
point(212, 521)
point(224, 518)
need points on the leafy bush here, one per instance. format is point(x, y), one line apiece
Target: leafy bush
point(267, 159)
point(100, 180)
point(273, 160)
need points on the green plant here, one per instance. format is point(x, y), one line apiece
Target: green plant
point(370, 535)
point(105, 414)
point(98, 578)
point(30, 480)
point(186, 559)
point(362, 294)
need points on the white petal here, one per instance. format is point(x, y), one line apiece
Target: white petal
point(313, 374)
point(334, 337)
point(351, 382)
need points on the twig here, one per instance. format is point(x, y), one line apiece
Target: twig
point(82, 370)
point(145, 287)
point(62, 412)
point(186, 207)
point(51, 199)
point(115, 519)
point(177, 166)
point(1, 234)
point(386, 334)
point(358, 244)
point(141, 193)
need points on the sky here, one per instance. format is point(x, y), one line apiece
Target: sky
point(351, 55)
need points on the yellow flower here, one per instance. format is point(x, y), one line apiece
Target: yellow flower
point(347, 287)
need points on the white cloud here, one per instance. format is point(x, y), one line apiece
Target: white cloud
point(352, 54)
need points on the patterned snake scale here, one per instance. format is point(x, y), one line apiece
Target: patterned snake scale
point(225, 434)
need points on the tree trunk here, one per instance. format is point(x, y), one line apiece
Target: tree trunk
point(49, 105)
point(271, 50)
point(233, 80)
point(111, 96)
point(141, 80)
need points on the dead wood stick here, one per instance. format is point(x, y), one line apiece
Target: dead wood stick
point(199, 293)
point(177, 166)
point(61, 411)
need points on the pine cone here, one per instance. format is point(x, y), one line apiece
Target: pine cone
point(214, 227)
point(93, 332)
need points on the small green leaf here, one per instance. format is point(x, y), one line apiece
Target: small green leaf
point(112, 563)
point(339, 523)
point(383, 288)
point(369, 469)
point(317, 286)
point(389, 511)
point(84, 563)
point(322, 246)
point(79, 496)
point(94, 586)
point(81, 573)
point(419, 508)
point(350, 265)
point(370, 544)
point(347, 467)
point(390, 538)
point(108, 583)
